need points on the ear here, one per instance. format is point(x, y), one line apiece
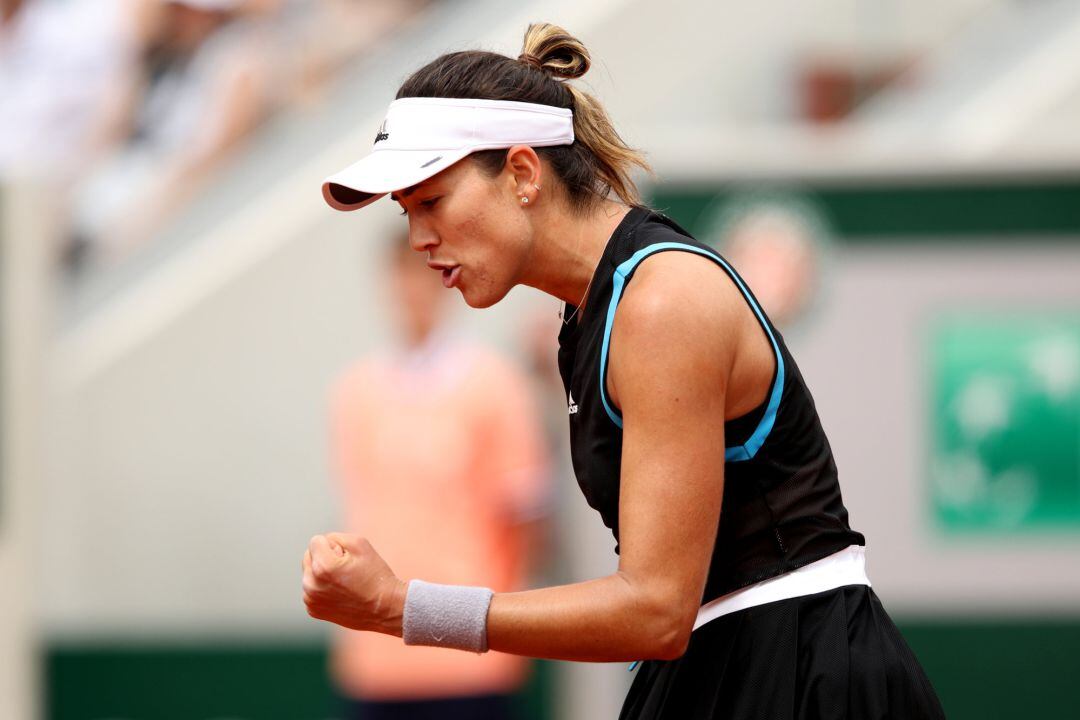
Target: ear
point(524, 171)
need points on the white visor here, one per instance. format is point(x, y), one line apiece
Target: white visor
point(423, 136)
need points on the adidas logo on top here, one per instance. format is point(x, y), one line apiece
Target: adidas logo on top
point(573, 405)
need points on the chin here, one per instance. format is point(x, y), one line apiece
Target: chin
point(479, 299)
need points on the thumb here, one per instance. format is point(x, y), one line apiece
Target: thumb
point(344, 543)
point(325, 550)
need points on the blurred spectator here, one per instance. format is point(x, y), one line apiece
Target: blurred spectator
point(205, 81)
point(779, 243)
point(440, 455)
point(61, 65)
point(320, 38)
point(778, 257)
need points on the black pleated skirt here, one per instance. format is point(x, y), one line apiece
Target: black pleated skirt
point(832, 655)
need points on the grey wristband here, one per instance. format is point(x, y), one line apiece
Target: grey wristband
point(452, 616)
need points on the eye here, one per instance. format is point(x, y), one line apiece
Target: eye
point(430, 202)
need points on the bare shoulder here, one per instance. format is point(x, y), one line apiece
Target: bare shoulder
point(673, 293)
point(680, 318)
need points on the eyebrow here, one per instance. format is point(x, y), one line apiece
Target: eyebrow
point(405, 193)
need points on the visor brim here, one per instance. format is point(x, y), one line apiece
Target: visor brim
point(382, 172)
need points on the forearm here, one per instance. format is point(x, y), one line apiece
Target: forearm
point(608, 619)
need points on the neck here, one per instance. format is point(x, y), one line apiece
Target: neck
point(567, 249)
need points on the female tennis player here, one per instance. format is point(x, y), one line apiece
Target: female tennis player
point(740, 584)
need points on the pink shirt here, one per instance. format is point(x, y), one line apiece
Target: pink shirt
point(439, 453)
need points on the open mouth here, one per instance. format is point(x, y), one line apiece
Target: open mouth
point(450, 276)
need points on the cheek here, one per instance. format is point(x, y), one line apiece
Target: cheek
point(483, 237)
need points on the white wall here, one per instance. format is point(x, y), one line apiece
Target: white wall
point(24, 244)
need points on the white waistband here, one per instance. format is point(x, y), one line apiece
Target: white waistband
point(847, 567)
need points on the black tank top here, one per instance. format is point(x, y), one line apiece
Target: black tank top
point(781, 507)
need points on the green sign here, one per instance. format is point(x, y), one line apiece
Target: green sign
point(1005, 444)
point(183, 680)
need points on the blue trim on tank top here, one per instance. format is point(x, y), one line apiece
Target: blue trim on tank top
point(738, 453)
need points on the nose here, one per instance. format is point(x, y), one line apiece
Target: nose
point(421, 238)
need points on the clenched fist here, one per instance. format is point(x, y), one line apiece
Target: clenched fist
point(346, 582)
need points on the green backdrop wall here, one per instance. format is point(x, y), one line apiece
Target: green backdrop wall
point(982, 671)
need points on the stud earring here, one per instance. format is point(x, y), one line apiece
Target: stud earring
point(524, 200)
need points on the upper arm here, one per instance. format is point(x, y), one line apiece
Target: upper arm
point(672, 351)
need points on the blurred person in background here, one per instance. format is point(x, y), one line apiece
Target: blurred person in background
point(320, 38)
point(780, 247)
point(64, 65)
point(204, 81)
point(470, 507)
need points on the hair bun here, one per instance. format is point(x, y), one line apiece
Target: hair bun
point(551, 49)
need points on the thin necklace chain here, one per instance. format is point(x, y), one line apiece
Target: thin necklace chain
point(566, 321)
